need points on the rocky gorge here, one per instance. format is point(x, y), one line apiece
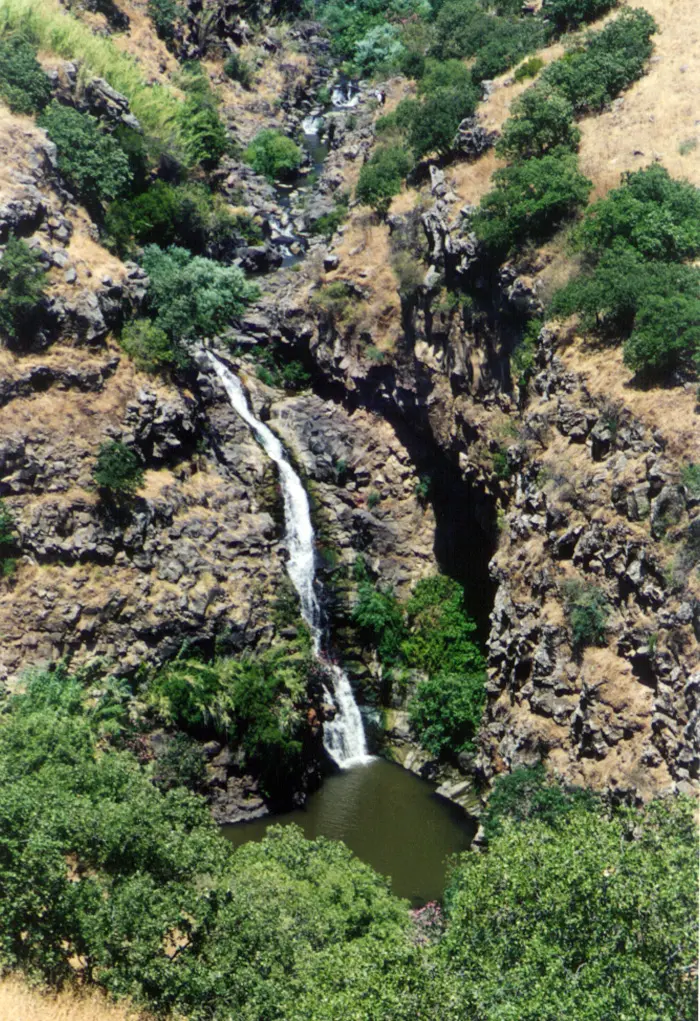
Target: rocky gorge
point(529, 487)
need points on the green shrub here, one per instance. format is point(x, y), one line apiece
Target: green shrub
point(273, 155)
point(439, 639)
point(378, 613)
point(690, 477)
point(510, 41)
point(666, 333)
point(529, 69)
point(528, 793)
point(194, 297)
point(381, 178)
point(380, 48)
point(522, 361)
point(165, 14)
point(165, 214)
point(540, 121)
point(92, 163)
point(8, 540)
point(256, 702)
point(149, 347)
point(592, 74)
point(628, 879)
point(529, 200)
point(22, 283)
point(202, 132)
point(118, 470)
point(587, 611)
point(23, 84)
point(239, 70)
point(373, 499)
point(334, 300)
point(464, 28)
point(446, 711)
point(652, 212)
point(327, 224)
point(568, 14)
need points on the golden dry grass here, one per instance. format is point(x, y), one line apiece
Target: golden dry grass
point(19, 1002)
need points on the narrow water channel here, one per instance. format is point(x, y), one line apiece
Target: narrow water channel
point(389, 818)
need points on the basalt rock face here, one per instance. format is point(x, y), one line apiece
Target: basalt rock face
point(588, 498)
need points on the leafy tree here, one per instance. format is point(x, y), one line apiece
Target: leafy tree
point(593, 919)
point(22, 282)
point(24, 85)
point(511, 40)
point(273, 155)
point(378, 612)
point(148, 346)
point(445, 712)
point(655, 214)
point(193, 296)
point(166, 214)
point(540, 121)
point(568, 14)
point(93, 164)
point(530, 199)
point(381, 178)
point(666, 333)
point(591, 74)
point(118, 469)
point(447, 96)
point(439, 638)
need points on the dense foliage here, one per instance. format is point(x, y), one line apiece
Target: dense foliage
point(22, 283)
point(118, 470)
point(149, 347)
point(92, 162)
point(273, 155)
point(202, 131)
point(8, 540)
point(24, 85)
point(381, 178)
point(446, 711)
point(165, 15)
point(529, 199)
point(101, 869)
point(255, 702)
point(587, 611)
point(577, 913)
point(194, 297)
point(635, 285)
point(592, 73)
point(540, 121)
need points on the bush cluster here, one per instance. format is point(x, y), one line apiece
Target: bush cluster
point(22, 283)
point(23, 84)
point(165, 14)
point(254, 702)
point(239, 70)
point(636, 283)
point(191, 296)
point(91, 161)
point(381, 178)
point(202, 132)
point(273, 155)
point(543, 186)
point(430, 633)
point(149, 347)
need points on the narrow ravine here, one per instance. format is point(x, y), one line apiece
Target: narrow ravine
point(344, 736)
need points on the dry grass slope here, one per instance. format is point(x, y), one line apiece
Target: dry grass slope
point(19, 1002)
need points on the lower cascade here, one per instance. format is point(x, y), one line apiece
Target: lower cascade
point(344, 736)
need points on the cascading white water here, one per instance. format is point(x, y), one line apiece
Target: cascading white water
point(344, 736)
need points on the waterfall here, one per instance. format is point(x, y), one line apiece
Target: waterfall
point(344, 736)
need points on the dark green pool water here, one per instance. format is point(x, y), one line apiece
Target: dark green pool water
point(390, 818)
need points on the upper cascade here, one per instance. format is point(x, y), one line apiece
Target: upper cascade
point(344, 736)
